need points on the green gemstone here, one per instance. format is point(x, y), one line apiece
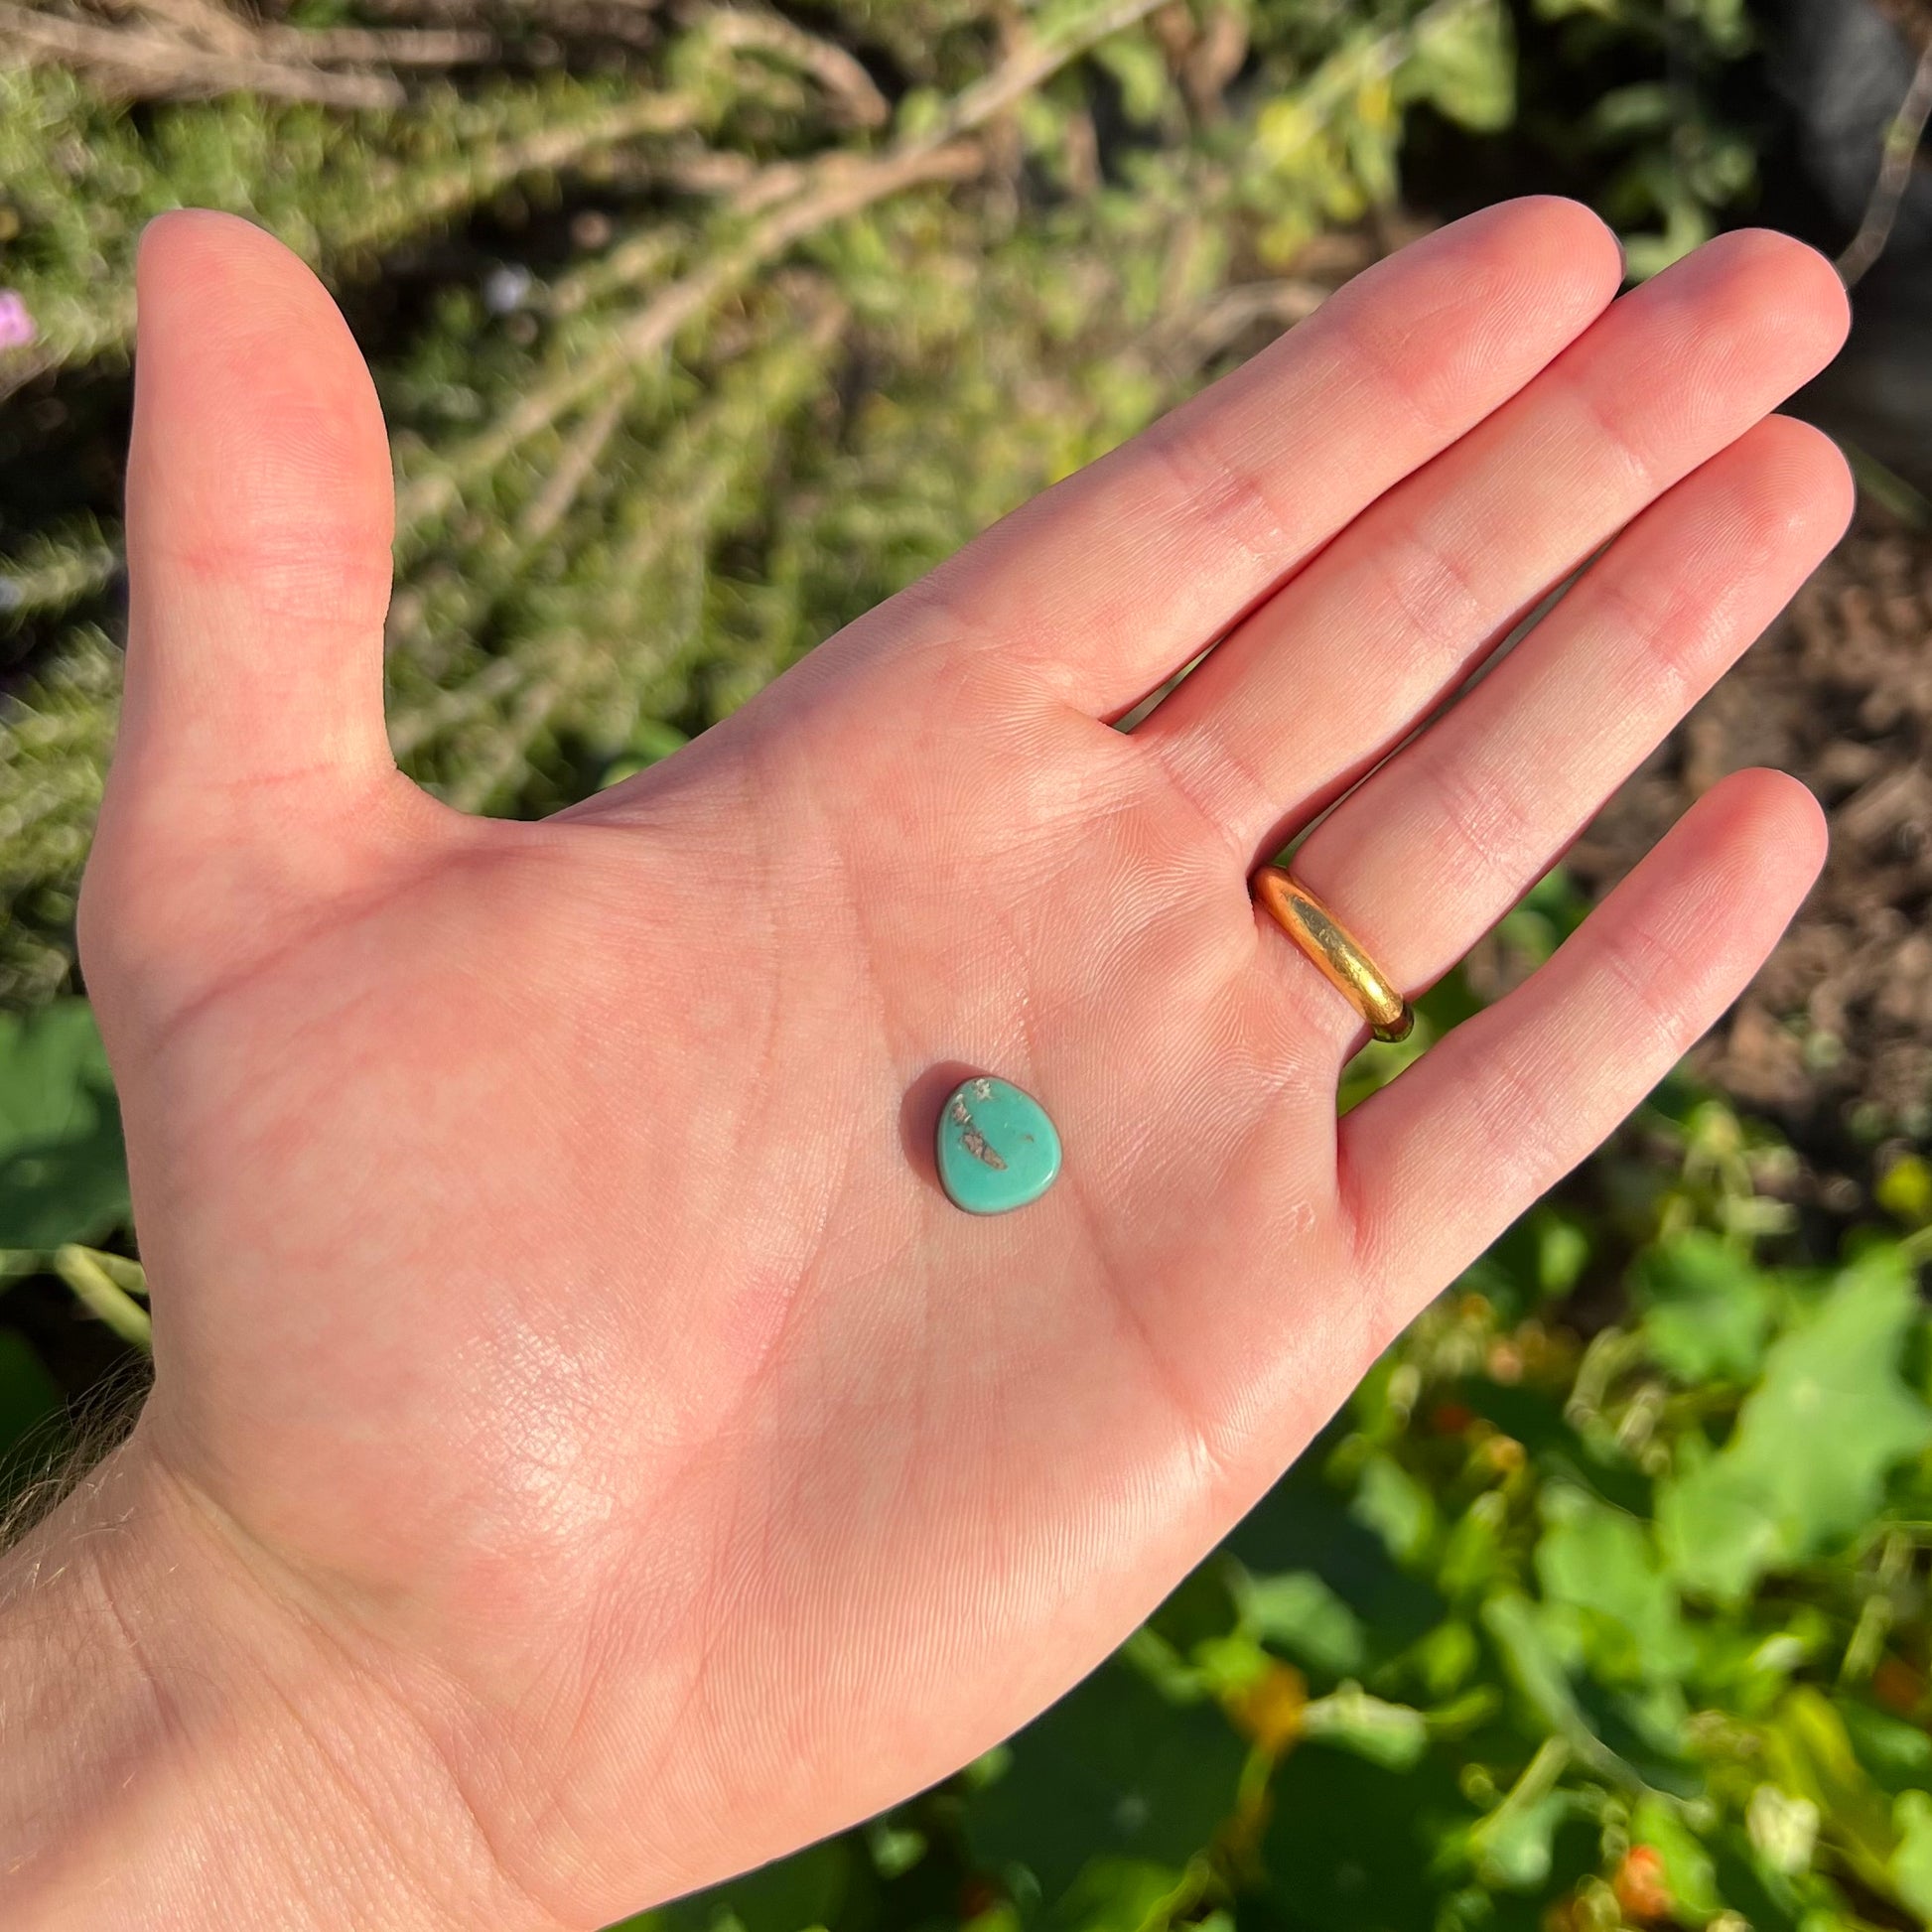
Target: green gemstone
point(998, 1151)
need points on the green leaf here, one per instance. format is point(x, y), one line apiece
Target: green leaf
point(30, 1401)
point(1514, 1628)
point(1707, 1307)
point(1516, 1854)
point(1146, 87)
point(1121, 1896)
point(1905, 1189)
point(1300, 1613)
point(1814, 1443)
point(895, 1849)
point(1113, 1768)
point(1512, 1847)
point(1561, 1251)
point(1390, 1734)
point(805, 1889)
point(1474, 1555)
point(1392, 1503)
point(1349, 1845)
point(1689, 1869)
point(63, 1168)
point(1896, 1752)
point(1809, 1755)
point(1465, 65)
point(1911, 1863)
point(1623, 114)
point(1445, 1656)
point(1599, 1565)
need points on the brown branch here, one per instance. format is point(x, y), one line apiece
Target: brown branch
point(1896, 158)
point(145, 63)
point(1031, 64)
point(536, 705)
point(391, 47)
point(837, 71)
point(200, 47)
point(837, 192)
point(747, 186)
point(637, 258)
point(631, 22)
point(388, 211)
point(444, 709)
point(539, 151)
point(1193, 341)
point(835, 186)
point(561, 487)
point(207, 21)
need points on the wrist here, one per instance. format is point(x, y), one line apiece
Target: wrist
point(182, 1744)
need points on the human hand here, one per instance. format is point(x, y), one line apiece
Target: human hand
point(595, 1454)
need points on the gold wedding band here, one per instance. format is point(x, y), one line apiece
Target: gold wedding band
point(1332, 948)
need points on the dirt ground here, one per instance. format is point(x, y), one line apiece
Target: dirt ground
point(1834, 1042)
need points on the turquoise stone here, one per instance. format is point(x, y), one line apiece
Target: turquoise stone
point(998, 1151)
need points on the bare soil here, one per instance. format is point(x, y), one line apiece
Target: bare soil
point(1834, 1040)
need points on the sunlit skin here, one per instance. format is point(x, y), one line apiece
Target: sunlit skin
point(589, 1454)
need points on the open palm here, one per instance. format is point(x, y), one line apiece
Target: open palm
point(555, 1306)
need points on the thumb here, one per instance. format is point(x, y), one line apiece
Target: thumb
point(259, 516)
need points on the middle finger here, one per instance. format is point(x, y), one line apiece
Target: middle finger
point(1320, 681)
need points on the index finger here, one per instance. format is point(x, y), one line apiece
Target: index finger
point(1110, 580)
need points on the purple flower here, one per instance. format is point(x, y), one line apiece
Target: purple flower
point(16, 323)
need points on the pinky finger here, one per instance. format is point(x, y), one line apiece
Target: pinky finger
point(1441, 1160)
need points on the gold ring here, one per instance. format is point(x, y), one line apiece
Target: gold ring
point(1329, 944)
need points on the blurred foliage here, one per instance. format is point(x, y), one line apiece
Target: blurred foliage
point(702, 327)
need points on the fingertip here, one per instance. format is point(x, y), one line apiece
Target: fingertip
point(251, 399)
point(1567, 225)
point(1479, 306)
point(1776, 829)
point(259, 511)
point(1802, 267)
point(1808, 471)
point(1782, 289)
point(184, 246)
point(160, 230)
point(1555, 236)
point(1799, 817)
point(223, 265)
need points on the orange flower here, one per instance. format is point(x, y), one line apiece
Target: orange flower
point(1640, 1885)
point(1898, 1686)
point(1269, 1711)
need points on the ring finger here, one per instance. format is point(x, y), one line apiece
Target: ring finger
point(1435, 846)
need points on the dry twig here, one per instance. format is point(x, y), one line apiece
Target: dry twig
point(147, 63)
point(836, 186)
point(1896, 158)
point(837, 71)
point(388, 47)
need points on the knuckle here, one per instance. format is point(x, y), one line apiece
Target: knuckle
point(1486, 819)
point(1651, 629)
point(1641, 969)
point(1523, 1145)
point(1437, 604)
point(1420, 389)
point(1613, 427)
point(1212, 486)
